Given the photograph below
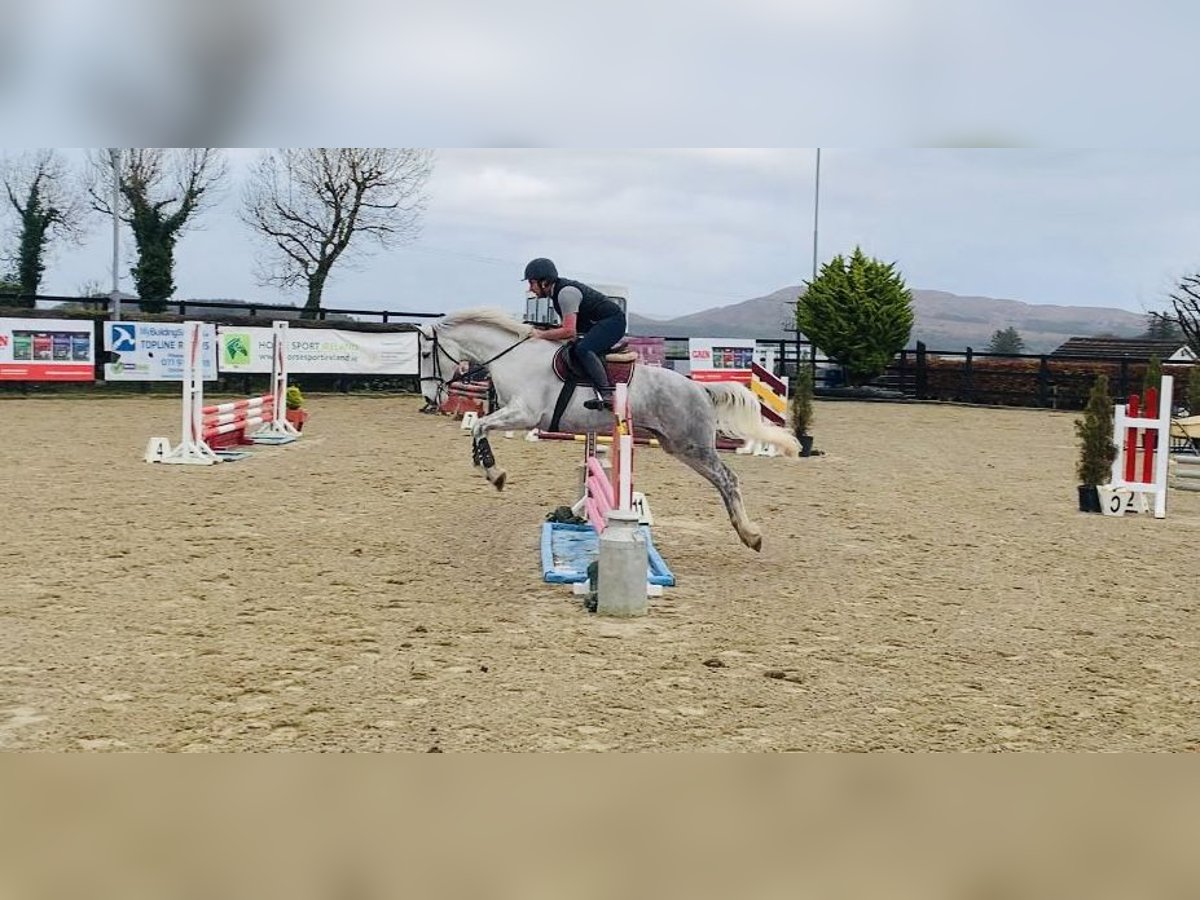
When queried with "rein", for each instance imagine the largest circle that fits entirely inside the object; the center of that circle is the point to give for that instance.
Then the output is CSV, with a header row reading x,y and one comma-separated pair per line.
x,y
438,350
482,367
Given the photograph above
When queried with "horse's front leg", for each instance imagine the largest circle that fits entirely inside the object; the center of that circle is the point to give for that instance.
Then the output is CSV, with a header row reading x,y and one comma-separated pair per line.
x,y
507,418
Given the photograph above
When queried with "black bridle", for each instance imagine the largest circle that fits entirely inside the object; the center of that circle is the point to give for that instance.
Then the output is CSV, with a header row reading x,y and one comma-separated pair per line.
x,y
459,373
437,351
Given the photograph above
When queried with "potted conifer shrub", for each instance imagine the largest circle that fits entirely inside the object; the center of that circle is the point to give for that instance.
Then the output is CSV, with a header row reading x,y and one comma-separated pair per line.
x,y
802,409
1154,373
1096,449
293,401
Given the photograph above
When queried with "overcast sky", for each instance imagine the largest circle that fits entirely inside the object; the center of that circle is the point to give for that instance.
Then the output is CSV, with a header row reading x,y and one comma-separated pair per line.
x,y
684,230
687,230
1092,73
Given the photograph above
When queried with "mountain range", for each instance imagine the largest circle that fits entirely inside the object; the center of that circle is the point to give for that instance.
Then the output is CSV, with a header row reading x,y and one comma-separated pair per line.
x,y
944,321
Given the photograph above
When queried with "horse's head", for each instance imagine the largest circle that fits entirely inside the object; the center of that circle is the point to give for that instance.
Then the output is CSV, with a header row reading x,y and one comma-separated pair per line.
x,y
470,338
439,359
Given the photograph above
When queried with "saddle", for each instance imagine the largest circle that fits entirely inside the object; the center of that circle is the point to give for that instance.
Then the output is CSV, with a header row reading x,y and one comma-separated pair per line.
x,y
618,363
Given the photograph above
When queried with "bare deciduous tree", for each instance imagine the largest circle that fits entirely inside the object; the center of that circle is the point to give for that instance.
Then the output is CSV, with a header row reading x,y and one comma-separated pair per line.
x,y
48,205
87,291
163,190
1185,310
312,206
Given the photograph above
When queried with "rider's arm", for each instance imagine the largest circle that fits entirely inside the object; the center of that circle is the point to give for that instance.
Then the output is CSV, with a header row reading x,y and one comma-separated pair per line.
x,y
569,299
564,332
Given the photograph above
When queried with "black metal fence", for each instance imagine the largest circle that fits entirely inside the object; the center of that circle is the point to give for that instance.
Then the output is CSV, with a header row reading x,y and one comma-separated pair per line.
x,y
964,376
20,304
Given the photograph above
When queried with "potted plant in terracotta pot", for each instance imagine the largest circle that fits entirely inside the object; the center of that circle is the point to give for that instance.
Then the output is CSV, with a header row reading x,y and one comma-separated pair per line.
x,y
293,402
1096,449
802,409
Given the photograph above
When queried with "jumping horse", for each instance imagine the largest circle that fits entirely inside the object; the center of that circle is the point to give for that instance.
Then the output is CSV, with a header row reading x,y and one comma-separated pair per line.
x,y
683,414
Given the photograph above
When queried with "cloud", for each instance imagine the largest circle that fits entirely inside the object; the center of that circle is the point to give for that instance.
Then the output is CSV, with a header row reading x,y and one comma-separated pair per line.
x,y
534,72
691,229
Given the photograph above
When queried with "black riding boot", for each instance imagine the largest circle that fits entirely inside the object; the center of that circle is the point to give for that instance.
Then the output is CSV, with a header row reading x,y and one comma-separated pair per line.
x,y
594,366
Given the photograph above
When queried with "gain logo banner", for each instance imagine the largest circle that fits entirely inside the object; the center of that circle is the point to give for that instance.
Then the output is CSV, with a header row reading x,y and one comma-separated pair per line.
x,y
46,350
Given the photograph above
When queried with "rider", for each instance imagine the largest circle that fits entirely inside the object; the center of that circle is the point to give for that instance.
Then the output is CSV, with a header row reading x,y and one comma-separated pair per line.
x,y
586,314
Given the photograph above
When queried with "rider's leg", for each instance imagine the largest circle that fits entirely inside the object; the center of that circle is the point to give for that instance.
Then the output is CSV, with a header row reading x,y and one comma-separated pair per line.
x,y
594,366
590,351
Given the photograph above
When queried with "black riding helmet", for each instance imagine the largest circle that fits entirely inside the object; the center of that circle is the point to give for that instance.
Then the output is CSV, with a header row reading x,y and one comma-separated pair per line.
x,y
541,269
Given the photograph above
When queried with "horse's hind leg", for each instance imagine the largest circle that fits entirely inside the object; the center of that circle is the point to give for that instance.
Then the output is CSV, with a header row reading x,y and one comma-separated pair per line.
x,y
708,463
507,418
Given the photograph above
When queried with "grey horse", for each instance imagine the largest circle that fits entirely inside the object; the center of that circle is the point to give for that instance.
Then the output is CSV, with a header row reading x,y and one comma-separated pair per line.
x,y
683,414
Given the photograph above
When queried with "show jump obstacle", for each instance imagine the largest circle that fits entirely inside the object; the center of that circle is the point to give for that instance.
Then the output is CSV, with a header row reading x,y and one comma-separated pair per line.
x,y
209,433
772,394
1141,429
630,568
467,397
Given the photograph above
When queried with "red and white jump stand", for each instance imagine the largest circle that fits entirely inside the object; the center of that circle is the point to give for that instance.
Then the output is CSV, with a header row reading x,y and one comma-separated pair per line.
x,y
603,490
1141,424
205,429
608,504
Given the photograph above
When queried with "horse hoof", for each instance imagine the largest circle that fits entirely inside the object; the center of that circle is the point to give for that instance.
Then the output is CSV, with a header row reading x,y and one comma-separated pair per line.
x,y
498,481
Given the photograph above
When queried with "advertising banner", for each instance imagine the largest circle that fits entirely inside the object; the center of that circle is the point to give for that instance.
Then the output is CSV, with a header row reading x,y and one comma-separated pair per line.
x,y
721,359
652,351
321,350
153,351
46,350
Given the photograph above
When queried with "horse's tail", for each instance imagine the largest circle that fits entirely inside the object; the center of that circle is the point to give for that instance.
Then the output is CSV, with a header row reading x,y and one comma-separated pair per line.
x,y
738,416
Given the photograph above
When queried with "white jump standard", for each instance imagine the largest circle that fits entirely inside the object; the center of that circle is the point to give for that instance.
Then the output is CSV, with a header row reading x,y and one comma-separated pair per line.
x,y
1149,420
261,420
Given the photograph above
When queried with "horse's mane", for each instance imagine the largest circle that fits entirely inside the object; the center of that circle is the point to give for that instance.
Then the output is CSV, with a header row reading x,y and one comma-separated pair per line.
x,y
486,315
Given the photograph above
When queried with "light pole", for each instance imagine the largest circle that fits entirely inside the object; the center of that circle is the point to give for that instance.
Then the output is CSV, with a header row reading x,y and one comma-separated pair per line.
x,y
114,154
812,356
816,211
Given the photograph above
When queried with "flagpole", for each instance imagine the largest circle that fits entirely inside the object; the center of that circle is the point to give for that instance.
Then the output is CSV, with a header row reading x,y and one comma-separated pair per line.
x,y
816,211
114,154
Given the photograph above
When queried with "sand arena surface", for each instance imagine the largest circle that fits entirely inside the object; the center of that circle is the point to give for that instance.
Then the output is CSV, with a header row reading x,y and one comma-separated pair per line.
x,y
925,585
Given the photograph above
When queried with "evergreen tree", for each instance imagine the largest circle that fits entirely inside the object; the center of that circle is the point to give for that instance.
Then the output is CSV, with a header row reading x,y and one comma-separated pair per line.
x,y
9,285
1095,433
1153,376
1007,340
1193,390
1162,328
37,187
162,192
859,312
801,400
